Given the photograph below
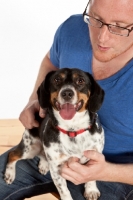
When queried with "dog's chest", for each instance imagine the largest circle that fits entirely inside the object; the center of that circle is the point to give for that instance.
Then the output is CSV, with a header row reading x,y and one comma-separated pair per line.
x,y
68,146
74,146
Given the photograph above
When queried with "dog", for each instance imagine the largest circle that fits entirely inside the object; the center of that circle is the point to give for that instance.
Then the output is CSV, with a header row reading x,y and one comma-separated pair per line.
x,y
72,98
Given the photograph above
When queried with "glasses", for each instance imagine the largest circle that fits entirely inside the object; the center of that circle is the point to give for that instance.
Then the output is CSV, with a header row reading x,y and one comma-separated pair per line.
x,y
122,31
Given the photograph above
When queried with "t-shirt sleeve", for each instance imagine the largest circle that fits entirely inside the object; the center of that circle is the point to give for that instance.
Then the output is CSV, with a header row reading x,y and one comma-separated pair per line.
x,y
55,48
68,47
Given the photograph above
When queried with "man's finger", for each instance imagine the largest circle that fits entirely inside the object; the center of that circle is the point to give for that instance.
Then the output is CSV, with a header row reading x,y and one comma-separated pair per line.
x,y
72,160
69,174
42,112
35,123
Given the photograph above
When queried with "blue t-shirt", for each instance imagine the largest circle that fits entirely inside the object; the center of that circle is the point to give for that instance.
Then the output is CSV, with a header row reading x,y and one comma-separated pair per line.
x,y
72,48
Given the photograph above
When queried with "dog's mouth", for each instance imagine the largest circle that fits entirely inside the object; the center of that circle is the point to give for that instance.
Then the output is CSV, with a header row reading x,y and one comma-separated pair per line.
x,y
68,110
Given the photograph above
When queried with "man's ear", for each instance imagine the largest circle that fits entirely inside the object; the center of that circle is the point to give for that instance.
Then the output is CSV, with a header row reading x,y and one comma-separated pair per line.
x,y
96,96
43,91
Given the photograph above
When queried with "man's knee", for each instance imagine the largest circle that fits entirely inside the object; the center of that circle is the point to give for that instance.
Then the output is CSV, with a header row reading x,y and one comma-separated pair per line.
x,y
115,191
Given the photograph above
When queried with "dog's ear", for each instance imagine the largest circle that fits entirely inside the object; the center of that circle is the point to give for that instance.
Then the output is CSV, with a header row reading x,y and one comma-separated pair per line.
x,y
43,91
96,96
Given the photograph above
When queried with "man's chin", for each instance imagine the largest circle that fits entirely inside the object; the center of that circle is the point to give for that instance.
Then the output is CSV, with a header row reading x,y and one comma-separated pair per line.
x,y
103,57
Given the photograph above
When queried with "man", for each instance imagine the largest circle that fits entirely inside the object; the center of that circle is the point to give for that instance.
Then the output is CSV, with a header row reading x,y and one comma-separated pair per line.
x,y
105,49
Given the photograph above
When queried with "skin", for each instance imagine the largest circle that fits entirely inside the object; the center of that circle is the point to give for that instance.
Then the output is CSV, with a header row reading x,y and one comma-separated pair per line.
x,y
118,52
107,11
111,53
108,48
27,117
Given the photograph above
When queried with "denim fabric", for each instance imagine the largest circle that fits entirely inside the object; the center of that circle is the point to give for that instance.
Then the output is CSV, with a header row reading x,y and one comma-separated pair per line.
x,y
29,182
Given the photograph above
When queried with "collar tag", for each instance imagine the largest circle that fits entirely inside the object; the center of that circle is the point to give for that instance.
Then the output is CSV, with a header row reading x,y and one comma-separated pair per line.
x,y
72,134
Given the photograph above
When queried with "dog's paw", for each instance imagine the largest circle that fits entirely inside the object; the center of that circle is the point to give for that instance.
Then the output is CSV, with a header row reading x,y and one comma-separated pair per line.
x,y
92,195
66,197
43,166
9,175
91,191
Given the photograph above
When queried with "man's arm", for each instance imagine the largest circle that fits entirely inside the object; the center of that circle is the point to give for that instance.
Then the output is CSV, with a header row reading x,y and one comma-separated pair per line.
x,y
27,116
46,66
96,169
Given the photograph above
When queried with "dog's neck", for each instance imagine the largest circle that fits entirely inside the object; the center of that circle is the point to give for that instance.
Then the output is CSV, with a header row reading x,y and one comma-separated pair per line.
x,y
81,120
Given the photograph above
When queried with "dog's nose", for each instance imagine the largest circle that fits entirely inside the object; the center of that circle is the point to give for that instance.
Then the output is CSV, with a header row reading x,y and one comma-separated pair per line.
x,y
67,94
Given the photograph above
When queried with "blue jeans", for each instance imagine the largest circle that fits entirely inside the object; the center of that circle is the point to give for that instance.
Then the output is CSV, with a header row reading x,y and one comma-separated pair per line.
x,y
29,182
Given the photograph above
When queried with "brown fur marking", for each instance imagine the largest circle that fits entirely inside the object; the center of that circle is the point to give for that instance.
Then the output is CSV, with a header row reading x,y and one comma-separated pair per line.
x,y
84,97
13,156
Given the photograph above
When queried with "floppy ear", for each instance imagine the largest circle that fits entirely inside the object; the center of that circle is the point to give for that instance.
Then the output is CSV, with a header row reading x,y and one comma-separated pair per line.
x,y
96,96
43,91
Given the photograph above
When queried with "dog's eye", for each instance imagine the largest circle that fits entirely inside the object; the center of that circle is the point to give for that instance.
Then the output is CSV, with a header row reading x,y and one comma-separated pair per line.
x,y
57,80
80,81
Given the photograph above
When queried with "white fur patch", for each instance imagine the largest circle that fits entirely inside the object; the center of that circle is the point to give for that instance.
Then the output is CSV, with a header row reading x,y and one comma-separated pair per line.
x,y
10,173
68,147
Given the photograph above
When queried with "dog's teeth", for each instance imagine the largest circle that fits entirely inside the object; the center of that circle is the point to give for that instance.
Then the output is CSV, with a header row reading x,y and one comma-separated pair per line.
x,y
58,106
79,104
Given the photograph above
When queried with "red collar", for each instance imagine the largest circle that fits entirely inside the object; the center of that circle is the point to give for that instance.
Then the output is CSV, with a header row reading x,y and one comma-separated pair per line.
x,y
73,134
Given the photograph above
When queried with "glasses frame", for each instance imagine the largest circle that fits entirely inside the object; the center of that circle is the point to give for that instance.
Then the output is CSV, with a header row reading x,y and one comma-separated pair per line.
x,y
108,25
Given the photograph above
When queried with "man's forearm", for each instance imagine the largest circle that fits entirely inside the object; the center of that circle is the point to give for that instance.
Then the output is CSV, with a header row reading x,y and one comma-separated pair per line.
x,y
119,173
97,168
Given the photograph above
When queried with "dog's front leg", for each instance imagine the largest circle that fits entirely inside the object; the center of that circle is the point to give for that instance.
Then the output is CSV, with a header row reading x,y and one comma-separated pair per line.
x,y
60,182
91,191
43,163
28,148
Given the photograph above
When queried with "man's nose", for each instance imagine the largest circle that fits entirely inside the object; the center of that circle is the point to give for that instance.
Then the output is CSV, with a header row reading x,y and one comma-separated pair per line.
x,y
103,34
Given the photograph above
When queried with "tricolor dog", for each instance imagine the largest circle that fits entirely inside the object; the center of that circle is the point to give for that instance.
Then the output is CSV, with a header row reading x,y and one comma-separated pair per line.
x,y
72,98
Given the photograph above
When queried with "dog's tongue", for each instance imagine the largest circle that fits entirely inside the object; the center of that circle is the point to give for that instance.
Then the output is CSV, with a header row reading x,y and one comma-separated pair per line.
x,y
67,111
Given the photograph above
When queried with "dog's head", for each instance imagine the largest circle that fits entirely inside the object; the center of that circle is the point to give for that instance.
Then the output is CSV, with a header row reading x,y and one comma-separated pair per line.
x,y
69,91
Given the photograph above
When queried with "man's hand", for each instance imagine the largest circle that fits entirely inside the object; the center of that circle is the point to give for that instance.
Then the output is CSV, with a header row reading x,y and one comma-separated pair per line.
x,y
27,116
95,169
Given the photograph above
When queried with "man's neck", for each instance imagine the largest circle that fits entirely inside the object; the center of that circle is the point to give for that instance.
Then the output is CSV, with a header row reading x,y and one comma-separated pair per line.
x,y
102,70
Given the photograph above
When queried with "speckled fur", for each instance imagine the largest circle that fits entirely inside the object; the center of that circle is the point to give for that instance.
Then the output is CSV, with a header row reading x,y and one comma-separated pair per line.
x,y
54,147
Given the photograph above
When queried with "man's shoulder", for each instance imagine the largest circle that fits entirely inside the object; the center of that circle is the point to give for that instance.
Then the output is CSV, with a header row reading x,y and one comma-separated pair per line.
x,y
75,18
74,21
74,25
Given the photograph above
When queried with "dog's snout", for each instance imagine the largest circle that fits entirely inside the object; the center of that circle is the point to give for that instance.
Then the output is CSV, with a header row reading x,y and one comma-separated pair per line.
x,y
67,94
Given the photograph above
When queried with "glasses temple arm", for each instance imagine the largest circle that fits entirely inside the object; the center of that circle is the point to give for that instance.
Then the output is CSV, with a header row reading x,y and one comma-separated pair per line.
x,y
86,8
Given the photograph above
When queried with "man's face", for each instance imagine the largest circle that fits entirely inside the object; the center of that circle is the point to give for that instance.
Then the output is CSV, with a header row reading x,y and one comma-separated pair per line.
x,y
106,45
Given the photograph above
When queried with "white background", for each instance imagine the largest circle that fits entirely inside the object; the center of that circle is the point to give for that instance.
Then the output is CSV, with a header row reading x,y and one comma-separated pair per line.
x,y
27,29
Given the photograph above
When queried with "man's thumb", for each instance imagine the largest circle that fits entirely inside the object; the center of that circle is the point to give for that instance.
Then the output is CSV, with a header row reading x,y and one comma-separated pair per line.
x,y
92,154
